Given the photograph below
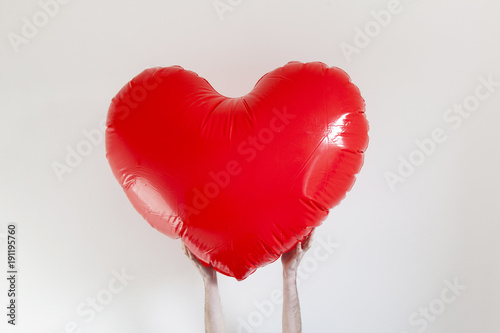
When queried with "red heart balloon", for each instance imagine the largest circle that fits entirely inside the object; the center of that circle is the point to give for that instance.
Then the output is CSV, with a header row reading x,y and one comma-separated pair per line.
x,y
240,180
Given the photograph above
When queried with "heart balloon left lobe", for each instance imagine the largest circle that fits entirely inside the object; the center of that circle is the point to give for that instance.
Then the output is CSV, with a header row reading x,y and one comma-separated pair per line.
x,y
240,180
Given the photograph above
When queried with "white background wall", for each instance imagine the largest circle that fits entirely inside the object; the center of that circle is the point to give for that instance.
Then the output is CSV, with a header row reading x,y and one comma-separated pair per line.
x,y
396,249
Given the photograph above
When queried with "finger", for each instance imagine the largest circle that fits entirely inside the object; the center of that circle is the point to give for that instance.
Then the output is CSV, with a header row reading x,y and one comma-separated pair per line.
x,y
306,244
294,249
292,253
188,253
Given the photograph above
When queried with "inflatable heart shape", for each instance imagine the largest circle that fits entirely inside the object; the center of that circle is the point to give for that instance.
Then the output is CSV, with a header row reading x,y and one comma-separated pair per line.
x,y
240,180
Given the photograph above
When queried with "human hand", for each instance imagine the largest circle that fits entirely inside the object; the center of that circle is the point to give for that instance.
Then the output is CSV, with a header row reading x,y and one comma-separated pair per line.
x,y
208,273
292,258
214,319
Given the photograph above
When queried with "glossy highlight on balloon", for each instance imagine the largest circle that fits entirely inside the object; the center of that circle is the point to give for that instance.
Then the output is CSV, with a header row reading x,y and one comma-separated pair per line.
x,y
239,180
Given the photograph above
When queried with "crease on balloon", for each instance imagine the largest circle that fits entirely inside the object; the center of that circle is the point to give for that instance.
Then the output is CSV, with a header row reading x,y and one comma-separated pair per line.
x,y
171,219
231,124
352,151
248,260
247,108
129,179
336,131
308,159
230,244
268,251
282,236
280,77
178,225
324,69
209,114
157,69
314,204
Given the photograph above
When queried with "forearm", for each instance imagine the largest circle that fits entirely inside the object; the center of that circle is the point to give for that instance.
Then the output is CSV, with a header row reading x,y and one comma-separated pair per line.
x,y
291,308
214,320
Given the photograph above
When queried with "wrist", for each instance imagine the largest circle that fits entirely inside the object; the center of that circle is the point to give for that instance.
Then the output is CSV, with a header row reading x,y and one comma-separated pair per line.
x,y
210,278
290,274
